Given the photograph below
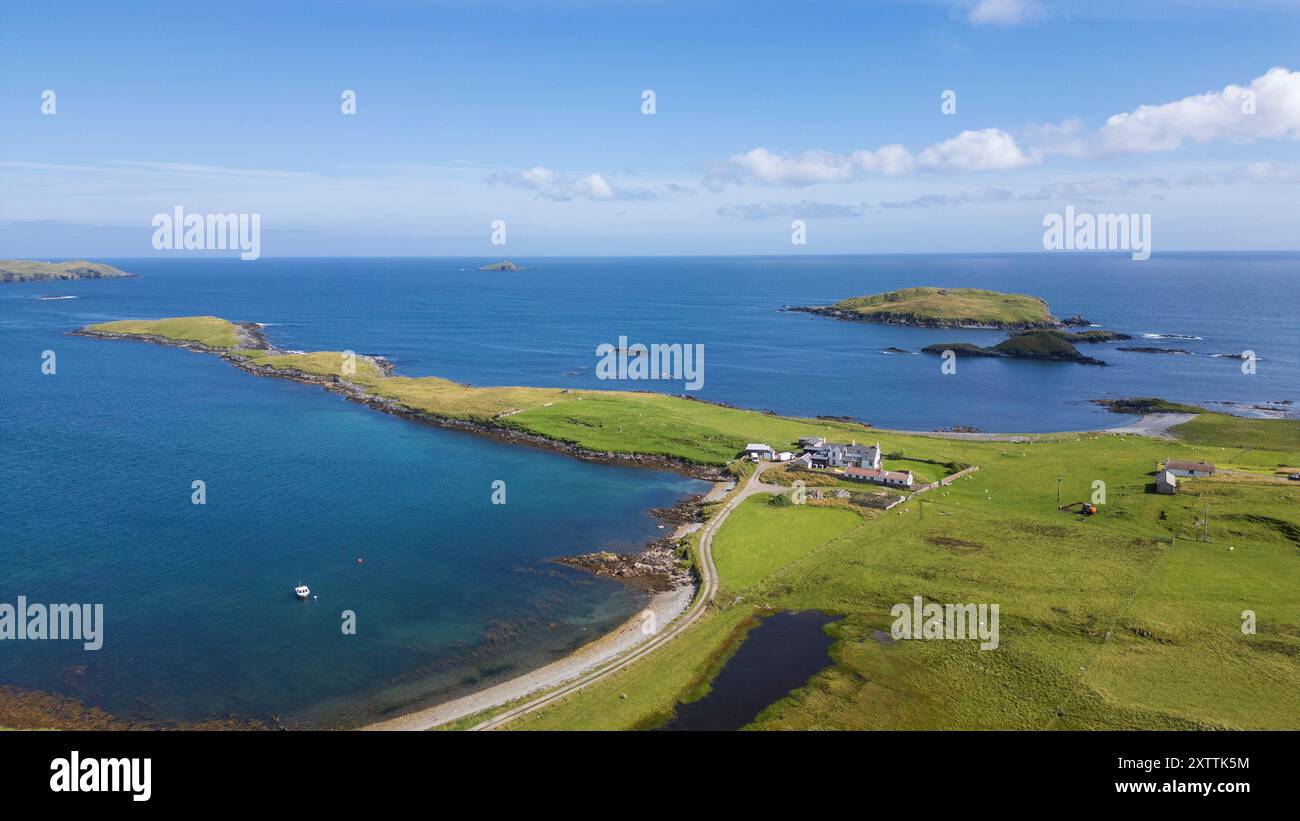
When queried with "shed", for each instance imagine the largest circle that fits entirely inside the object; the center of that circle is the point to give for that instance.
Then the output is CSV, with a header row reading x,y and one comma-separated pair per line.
x,y
1166,483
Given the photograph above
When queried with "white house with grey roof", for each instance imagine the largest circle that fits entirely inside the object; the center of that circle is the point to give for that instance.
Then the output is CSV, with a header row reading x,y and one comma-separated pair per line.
x,y
838,455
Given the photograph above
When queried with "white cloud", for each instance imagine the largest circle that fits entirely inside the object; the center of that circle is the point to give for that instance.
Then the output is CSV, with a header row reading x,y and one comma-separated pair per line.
x,y
808,168
1002,12
552,185
989,150
1267,109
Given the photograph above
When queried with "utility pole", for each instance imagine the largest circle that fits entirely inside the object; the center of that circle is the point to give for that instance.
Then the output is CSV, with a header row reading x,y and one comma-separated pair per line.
x,y
1058,488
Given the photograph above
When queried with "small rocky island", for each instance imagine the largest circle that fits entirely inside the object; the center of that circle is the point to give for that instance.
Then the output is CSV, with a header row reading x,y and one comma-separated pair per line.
x,y
23,270
1038,334
503,265
929,307
1143,405
1045,345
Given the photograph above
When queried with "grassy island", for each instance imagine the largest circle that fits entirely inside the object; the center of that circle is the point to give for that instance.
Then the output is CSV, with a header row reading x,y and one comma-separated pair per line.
x,y
22,270
944,308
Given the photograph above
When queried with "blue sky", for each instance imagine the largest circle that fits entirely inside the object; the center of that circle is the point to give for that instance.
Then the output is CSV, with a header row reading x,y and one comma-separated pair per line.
x,y
530,112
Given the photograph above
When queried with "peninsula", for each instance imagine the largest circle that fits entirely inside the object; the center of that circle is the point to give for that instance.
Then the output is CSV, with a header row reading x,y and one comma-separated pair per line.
x,y
929,307
22,270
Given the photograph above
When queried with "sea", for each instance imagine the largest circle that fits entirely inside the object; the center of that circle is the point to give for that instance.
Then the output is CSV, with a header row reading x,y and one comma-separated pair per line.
x,y
392,523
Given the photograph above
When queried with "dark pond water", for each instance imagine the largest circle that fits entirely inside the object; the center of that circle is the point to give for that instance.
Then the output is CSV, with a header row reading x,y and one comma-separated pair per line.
x,y
778,656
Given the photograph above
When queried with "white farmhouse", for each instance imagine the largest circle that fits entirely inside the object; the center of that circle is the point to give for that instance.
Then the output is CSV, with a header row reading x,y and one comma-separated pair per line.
x,y
1179,467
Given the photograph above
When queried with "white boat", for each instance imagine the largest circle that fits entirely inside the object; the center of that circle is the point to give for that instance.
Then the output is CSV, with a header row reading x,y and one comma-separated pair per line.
x,y
302,591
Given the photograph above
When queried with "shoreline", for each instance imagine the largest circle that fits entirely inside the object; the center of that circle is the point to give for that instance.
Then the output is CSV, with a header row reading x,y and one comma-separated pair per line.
x,y
666,606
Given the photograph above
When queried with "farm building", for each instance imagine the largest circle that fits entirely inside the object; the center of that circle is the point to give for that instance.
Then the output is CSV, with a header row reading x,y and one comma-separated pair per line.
x,y
812,442
1179,467
759,451
1166,483
892,478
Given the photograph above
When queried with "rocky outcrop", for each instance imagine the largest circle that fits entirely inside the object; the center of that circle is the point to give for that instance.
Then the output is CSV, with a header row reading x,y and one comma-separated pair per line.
x,y
503,265
1017,348
656,569
1151,349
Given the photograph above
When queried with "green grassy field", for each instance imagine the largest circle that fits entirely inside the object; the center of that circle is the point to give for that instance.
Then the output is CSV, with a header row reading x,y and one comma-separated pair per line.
x,y
760,539
320,363
1237,432
951,306
1121,620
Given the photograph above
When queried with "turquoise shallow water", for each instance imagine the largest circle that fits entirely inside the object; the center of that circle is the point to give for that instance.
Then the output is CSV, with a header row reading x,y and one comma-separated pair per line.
x,y
97,461
200,619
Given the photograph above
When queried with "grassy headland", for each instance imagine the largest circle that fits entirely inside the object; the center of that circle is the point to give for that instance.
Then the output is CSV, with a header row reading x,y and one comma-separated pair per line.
x,y
23,270
207,331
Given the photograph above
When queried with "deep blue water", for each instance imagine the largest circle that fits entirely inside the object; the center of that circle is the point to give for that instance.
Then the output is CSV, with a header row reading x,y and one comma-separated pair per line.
x,y
97,460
